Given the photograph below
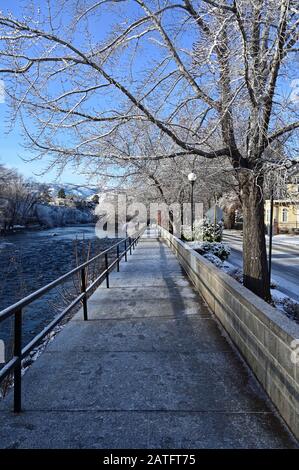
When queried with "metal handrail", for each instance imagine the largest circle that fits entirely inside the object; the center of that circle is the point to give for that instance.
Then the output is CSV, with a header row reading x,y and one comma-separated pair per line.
x,y
43,290
16,310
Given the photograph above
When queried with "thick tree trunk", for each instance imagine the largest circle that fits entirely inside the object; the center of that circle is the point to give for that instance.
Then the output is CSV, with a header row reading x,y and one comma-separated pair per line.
x,y
229,218
255,266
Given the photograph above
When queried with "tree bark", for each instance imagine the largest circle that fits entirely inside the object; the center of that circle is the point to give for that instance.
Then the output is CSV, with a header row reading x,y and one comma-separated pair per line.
x,y
229,218
255,266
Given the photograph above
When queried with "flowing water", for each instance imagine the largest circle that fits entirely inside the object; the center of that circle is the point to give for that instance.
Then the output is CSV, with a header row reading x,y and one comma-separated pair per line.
x,y
31,259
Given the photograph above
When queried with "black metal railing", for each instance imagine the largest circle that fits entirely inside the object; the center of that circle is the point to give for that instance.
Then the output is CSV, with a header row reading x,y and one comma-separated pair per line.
x,y
15,363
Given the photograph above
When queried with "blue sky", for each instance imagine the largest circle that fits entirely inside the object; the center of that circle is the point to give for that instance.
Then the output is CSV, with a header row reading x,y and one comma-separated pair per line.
x,y
11,149
12,154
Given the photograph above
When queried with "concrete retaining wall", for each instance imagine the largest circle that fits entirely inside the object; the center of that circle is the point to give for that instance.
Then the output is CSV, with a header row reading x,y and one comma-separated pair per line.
x,y
262,334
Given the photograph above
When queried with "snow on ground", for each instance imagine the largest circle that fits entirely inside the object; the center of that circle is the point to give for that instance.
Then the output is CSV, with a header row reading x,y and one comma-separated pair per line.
x,y
278,296
282,302
285,239
285,261
286,285
236,271
219,249
285,304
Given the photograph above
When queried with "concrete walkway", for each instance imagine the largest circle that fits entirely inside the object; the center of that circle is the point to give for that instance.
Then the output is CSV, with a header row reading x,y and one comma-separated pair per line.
x,y
151,369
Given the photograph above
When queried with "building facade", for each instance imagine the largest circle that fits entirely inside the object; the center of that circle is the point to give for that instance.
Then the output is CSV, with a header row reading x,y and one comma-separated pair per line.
x,y
285,211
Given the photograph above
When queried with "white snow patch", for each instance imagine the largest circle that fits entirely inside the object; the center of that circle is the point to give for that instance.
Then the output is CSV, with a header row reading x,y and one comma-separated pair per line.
x,y
285,239
282,302
214,259
182,282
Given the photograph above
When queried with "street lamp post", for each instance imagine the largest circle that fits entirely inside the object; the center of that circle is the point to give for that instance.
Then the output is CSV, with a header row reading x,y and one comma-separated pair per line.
x,y
192,178
271,233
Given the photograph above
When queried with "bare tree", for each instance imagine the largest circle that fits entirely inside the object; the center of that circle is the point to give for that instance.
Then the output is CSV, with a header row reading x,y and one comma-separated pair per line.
x,y
222,61
18,197
167,180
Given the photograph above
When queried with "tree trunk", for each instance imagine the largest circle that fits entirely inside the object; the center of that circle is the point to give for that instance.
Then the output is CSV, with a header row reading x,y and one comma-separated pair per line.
x,y
255,266
229,218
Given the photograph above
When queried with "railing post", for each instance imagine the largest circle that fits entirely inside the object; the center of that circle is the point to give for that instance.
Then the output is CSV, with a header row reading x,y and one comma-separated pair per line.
x,y
18,367
107,272
126,257
130,244
83,290
117,265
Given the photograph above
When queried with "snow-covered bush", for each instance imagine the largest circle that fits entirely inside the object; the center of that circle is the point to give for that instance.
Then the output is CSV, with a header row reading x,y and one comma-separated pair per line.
x,y
203,230
220,250
213,259
212,232
291,307
233,271
201,247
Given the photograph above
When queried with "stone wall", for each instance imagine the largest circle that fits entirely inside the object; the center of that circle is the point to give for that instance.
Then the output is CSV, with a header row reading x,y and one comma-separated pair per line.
x,y
262,333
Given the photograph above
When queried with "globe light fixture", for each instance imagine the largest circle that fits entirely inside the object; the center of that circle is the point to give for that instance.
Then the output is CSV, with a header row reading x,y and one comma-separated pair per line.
x,y
192,177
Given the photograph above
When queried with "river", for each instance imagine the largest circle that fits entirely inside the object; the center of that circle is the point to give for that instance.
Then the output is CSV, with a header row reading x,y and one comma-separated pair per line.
x,y
31,259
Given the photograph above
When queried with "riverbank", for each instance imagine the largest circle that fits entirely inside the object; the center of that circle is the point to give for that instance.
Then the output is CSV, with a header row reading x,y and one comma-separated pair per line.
x,y
38,228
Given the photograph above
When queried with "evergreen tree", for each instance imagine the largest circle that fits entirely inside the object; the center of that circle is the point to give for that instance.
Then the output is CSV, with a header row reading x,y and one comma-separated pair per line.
x,y
61,193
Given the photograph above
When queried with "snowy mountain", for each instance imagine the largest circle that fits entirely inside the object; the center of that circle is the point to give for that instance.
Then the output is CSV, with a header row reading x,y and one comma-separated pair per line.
x,y
83,192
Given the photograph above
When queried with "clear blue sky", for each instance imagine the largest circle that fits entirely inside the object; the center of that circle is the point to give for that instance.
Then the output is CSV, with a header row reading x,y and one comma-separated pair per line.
x,y
12,152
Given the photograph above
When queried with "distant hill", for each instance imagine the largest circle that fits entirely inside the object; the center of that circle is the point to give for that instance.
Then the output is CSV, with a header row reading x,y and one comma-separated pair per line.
x,y
73,190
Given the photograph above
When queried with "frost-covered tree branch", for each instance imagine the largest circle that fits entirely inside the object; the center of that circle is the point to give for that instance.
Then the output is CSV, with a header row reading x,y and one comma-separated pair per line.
x,y
208,79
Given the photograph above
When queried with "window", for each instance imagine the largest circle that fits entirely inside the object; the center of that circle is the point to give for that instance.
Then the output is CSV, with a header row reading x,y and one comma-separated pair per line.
x,y
268,215
284,217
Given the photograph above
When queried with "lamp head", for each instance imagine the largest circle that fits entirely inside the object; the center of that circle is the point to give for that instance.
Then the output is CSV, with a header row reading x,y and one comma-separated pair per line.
x,y
192,177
